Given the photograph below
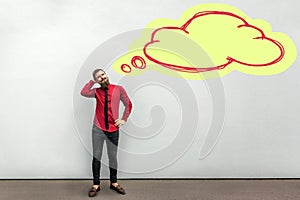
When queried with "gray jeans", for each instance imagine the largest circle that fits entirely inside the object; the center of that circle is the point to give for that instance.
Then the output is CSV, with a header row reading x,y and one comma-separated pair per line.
x,y
112,140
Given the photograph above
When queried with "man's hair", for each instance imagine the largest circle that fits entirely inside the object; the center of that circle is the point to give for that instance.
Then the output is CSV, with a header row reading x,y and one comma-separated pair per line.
x,y
95,71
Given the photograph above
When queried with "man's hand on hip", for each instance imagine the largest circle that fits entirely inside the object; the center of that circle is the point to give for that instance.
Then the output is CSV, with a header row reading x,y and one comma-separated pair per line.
x,y
119,122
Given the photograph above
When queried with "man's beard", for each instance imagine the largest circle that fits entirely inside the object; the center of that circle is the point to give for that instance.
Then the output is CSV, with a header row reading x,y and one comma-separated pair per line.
x,y
105,83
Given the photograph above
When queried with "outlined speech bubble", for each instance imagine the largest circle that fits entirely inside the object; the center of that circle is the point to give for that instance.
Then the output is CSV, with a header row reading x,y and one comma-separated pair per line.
x,y
233,40
206,43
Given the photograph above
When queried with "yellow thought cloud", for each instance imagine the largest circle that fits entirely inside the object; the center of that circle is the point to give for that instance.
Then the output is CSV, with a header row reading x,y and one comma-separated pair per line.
x,y
209,40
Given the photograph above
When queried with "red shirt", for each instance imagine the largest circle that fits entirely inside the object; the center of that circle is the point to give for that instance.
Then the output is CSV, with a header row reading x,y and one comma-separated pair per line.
x,y
116,94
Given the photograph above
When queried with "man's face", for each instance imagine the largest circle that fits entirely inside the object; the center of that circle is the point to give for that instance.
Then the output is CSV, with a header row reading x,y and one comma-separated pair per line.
x,y
101,78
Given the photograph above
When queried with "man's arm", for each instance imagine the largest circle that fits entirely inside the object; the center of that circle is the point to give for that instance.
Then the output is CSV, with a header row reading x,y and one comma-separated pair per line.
x,y
87,91
128,107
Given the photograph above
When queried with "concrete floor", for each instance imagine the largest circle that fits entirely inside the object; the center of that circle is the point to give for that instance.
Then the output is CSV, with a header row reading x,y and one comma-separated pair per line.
x,y
153,189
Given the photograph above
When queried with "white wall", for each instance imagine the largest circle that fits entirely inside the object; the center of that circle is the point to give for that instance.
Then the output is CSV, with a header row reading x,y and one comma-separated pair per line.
x,y
47,52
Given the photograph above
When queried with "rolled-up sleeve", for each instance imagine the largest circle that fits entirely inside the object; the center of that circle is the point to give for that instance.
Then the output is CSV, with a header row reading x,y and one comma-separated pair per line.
x,y
87,91
126,102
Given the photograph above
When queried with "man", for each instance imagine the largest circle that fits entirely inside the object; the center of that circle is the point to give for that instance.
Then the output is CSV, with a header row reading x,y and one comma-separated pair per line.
x,y
106,126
